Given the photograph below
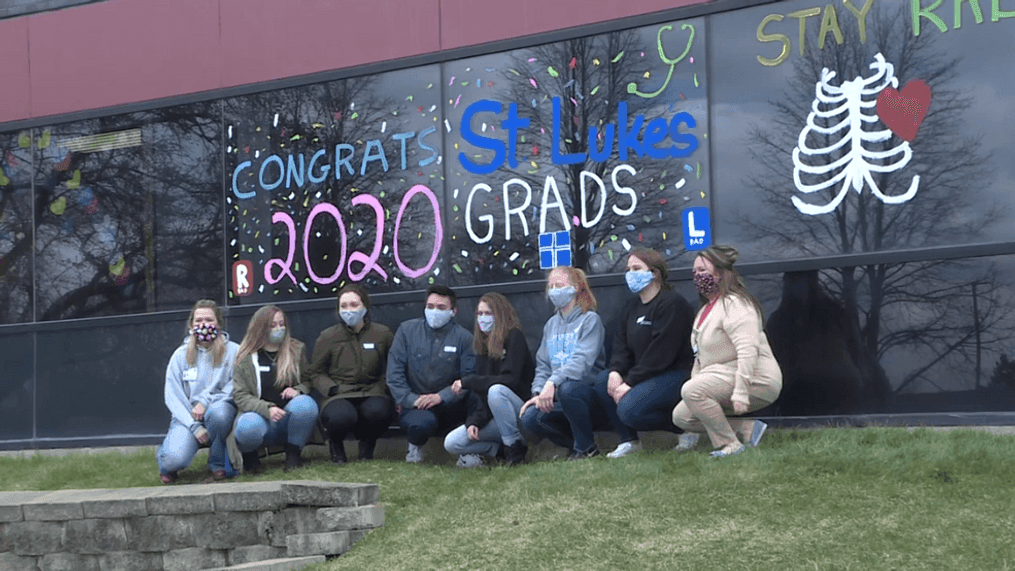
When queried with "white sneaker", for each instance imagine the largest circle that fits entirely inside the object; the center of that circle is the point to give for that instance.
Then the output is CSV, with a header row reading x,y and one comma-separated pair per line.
x,y
625,448
688,441
415,455
757,431
469,461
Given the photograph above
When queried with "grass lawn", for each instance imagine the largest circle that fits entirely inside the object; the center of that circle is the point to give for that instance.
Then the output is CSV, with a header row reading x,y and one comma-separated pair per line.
x,y
872,498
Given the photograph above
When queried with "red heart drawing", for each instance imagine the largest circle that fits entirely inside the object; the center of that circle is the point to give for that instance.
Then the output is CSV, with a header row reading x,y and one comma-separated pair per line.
x,y
903,111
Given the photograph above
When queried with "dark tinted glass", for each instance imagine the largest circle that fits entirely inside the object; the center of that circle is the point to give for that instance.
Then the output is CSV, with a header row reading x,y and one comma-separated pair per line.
x,y
598,138
128,213
944,170
105,380
915,337
356,159
16,227
17,385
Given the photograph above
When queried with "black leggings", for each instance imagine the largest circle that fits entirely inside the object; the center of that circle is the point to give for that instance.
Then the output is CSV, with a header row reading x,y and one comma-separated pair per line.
x,y
366,417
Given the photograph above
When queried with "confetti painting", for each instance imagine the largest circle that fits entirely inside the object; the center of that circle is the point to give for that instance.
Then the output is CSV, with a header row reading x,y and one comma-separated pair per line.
x,y
400,180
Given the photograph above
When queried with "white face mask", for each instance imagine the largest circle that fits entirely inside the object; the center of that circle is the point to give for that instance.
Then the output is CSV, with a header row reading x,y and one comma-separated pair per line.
x,y
485,323
561,296
353,318
437,318
638,280
276,336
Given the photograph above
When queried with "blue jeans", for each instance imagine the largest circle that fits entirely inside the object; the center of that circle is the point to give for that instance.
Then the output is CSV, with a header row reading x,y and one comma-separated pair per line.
x,y
180,445
254,431
503,429
457,441
505,405
421,425
570,424
647,406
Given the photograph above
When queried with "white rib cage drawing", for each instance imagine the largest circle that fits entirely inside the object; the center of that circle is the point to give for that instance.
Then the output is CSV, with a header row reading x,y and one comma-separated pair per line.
x,y
856,103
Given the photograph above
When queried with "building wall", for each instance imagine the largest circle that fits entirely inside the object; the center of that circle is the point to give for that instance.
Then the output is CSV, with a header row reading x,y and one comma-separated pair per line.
x,y
878,299
125,51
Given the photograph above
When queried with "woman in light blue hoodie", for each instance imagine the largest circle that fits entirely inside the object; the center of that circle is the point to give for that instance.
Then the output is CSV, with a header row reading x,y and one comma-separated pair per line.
x,y
199,389
563,406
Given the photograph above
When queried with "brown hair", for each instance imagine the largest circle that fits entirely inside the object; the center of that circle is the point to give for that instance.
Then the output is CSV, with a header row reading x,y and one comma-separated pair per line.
x,y
356,289
504,320
218,346
655,262
583,294
287,372
730,281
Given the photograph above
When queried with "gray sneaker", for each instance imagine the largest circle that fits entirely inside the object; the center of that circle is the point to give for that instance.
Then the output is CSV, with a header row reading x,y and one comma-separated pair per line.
x,y
415,455
469,461
688,441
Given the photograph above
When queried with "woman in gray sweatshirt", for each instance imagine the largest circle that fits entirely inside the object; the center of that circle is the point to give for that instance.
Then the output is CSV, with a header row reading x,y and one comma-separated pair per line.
x,y
570,357
199,394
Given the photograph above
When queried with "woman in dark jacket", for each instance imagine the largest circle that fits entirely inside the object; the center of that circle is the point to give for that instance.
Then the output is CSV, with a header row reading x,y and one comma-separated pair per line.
x,y
504,371
274,406
347,373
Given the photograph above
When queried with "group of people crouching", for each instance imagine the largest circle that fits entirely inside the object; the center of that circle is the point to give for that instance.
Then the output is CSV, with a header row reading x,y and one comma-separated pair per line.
x,y
669,370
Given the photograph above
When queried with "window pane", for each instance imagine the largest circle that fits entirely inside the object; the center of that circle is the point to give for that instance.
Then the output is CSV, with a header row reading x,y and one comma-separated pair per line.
x,y
931,336
350,157
609,145
15,227
949,183
17,386
129,213
106,380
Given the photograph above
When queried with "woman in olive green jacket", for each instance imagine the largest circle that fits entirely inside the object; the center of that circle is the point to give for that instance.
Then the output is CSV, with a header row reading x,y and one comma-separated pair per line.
x,y
274,406
348,376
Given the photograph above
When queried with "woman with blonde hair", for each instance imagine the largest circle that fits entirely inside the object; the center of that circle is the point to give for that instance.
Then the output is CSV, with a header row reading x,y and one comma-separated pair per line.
x,y
497,389
198,394
734,371
275,407
564,406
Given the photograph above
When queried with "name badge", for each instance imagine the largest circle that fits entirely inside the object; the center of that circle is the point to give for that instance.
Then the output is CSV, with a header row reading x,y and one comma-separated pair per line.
x,y
450,349
190,375
368,345
264,369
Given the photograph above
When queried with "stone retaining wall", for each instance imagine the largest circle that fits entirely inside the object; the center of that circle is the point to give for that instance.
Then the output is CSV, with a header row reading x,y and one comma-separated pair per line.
x,y
182,527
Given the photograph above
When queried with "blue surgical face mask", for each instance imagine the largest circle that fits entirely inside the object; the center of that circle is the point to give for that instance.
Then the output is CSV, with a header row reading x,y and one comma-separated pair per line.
x,y
276,336
638,280
352,318
437,318
485,323
561,296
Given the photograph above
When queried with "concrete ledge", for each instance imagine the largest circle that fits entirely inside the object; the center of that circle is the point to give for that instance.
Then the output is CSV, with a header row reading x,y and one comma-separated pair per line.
x,y
287,564
185,527
328,543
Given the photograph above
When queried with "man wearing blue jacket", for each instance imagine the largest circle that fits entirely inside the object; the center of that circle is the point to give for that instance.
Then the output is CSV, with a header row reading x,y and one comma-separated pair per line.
x,y
429,354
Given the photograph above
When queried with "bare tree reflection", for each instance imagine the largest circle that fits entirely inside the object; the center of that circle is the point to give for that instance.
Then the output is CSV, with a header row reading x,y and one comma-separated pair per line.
x,y
131,229
304,120
946,312
590,77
